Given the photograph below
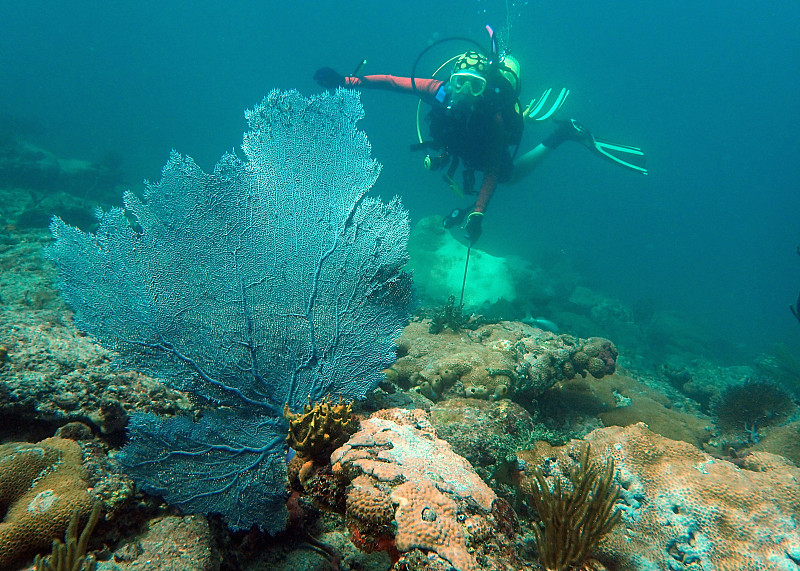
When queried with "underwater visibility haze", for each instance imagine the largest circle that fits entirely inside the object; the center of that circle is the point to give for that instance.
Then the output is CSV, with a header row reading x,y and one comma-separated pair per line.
x,y
706,90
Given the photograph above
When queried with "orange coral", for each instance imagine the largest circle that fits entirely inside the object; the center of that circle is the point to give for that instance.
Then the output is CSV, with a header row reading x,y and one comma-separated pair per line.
x,y
401,473
426,519
40,487
367,503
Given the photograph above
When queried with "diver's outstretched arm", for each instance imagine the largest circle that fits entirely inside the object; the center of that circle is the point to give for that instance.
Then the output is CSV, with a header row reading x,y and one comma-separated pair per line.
x,y
425,88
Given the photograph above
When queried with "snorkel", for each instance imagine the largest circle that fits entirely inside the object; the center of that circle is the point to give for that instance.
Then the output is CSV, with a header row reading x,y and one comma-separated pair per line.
x,y
497,61
493,42
360,64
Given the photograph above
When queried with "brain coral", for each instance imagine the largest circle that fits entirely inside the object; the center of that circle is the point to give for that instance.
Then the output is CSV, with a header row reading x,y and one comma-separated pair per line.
x,y
684,510
401,473
40,486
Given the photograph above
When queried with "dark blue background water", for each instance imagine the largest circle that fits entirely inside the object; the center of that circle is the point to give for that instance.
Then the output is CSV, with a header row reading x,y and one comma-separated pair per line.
x,y
708,89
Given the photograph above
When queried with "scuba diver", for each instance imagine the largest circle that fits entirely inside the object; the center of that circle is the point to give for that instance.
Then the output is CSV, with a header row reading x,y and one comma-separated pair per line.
x,y
476,121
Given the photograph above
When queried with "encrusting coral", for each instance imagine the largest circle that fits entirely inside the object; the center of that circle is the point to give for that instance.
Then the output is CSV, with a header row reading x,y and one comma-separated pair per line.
x,y
575,515
320,429
683,509
41,486
408,491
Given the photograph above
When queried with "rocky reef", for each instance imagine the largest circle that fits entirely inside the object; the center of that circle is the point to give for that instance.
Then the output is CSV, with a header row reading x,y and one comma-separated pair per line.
x,y
435,470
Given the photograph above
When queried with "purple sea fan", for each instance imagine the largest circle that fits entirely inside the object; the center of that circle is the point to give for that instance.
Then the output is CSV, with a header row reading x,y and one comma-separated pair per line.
x,y
266,283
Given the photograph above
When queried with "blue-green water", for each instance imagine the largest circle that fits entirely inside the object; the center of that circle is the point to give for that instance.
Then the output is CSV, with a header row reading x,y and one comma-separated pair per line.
x,y
708,90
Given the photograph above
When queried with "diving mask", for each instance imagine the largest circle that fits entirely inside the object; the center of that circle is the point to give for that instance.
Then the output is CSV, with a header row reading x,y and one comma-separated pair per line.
x,y
467,83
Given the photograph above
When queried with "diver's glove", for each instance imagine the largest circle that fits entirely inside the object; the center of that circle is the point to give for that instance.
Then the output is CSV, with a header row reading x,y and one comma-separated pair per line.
x,y
456,217
472,229
329,78
569,130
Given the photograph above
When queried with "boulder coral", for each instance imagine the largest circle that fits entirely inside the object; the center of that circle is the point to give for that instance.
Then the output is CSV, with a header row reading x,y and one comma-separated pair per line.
x,y
476,364
683,509
621,400
486,433
549,358
403,480
783,440
495,361
41,485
